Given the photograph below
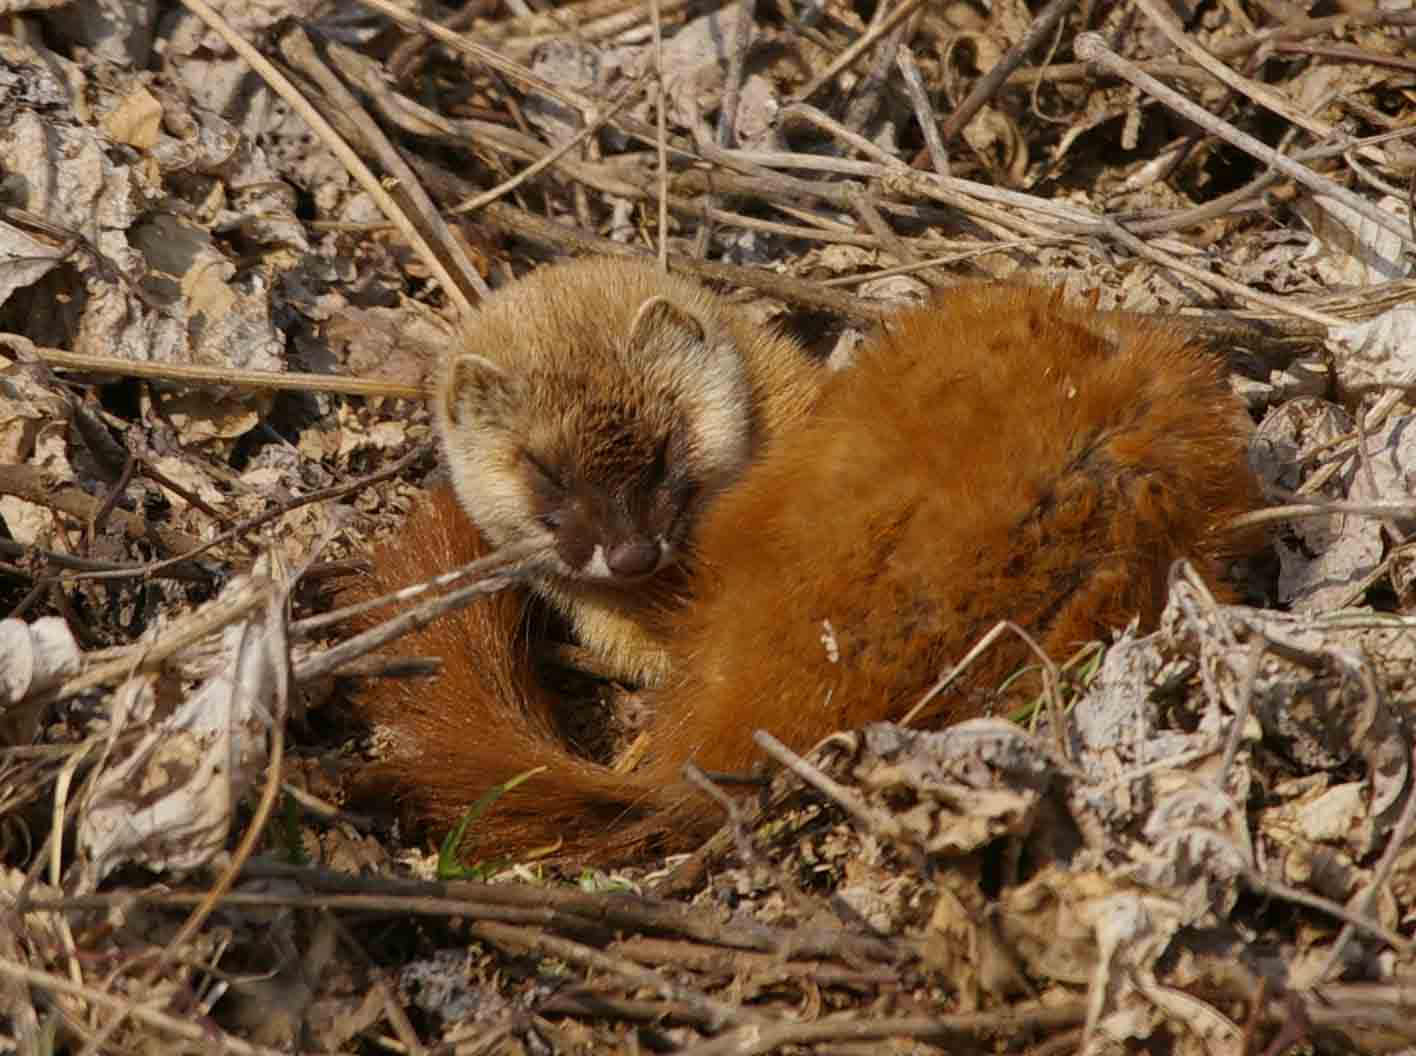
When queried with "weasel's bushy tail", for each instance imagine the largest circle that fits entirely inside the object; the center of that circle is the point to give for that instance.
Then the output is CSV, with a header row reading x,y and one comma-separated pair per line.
x,y
485,719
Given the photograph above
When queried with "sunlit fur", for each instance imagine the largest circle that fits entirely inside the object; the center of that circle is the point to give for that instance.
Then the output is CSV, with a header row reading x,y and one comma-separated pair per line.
x,y
994,455
487,702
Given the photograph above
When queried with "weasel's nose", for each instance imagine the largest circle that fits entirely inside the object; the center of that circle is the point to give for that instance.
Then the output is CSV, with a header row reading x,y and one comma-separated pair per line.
x,y
632,559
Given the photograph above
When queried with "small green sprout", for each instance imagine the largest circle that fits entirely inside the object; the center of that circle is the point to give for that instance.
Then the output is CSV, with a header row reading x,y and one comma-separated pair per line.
x,y
450,865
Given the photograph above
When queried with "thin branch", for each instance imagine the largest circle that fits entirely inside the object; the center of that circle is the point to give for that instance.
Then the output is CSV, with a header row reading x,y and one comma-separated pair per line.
x,y
1092,47
351,161
984,89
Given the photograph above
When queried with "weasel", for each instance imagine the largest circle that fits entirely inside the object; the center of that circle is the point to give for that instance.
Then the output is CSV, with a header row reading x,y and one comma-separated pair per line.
x,y
993,455
599,407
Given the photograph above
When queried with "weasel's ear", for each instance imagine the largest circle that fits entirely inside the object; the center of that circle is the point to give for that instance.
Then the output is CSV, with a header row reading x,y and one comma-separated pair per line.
x,y
475,386
661,321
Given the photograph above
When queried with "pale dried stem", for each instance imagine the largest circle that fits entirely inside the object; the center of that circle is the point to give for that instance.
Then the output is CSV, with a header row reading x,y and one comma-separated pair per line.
x,y
1092,48
987,86
506,567
924,110
236,377
280,84
848,58
555,155
1260,93
412,200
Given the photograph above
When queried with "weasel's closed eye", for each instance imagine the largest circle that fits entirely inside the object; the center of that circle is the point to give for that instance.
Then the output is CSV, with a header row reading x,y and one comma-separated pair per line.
x,y
682,491
548,477
550,492
659,468
677,496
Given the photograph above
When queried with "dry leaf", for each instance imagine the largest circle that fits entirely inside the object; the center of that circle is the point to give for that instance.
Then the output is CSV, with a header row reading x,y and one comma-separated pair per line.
x,y
1376,353
168,803
136,120
34,657
969,784
1351,250
31,413
1323,559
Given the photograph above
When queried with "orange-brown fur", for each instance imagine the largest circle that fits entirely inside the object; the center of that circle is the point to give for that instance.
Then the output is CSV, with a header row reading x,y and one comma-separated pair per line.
x,y
994,455
486,711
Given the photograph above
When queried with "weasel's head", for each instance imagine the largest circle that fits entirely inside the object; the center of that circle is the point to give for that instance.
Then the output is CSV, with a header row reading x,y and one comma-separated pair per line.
x,y
606,449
